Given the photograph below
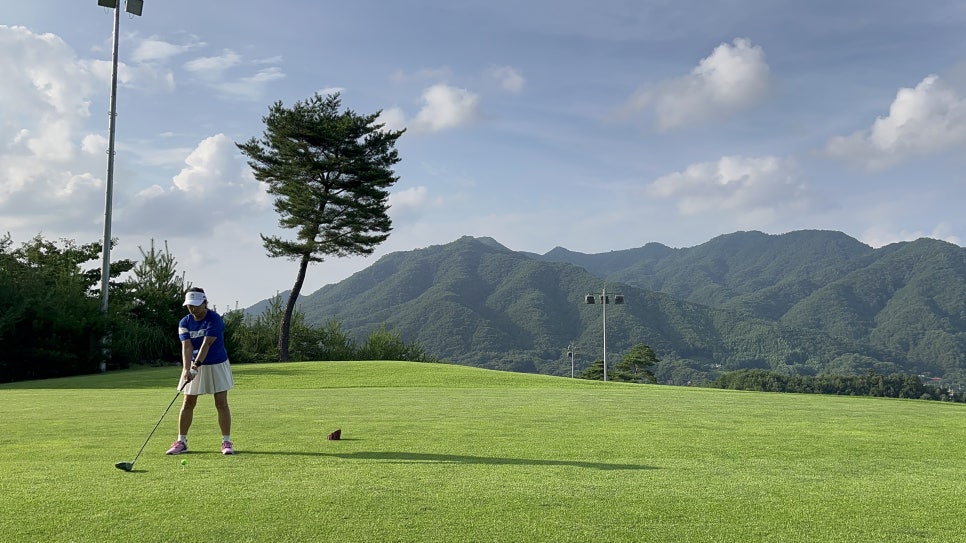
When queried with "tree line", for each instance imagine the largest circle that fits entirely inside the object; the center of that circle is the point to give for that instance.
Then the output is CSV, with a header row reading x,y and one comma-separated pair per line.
x,y
636,365
254,338
52,324
896,385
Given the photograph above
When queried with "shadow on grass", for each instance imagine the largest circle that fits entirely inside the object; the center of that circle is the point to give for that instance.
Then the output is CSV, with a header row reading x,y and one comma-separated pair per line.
x,y
397,457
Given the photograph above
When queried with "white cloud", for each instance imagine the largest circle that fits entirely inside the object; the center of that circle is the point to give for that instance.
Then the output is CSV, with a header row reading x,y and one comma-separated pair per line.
x,y
753,190
153,49
253,86
40,72
213,67
325,91
394,118
446,107
409,204
927,119
215,186
209,166
147,76
46,94
94,144
508,78
212,72
734,77
53,141
879,236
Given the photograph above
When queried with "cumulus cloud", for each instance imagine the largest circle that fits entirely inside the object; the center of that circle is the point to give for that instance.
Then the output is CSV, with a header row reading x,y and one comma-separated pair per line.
x,y
927,119
754,190
508,78
46,94
393,118
93,144
208,166
734,77
41,74
446,107
52,166
214,186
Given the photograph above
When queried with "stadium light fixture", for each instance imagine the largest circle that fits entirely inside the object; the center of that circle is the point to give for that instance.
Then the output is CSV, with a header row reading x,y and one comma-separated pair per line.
x,y
134,7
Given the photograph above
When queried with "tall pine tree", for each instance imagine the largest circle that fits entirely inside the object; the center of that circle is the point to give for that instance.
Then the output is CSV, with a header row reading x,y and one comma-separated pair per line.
x,y
330,172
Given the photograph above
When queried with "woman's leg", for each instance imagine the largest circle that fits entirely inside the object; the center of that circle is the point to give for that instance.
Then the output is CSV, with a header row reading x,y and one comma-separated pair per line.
x,y
187,413
224,413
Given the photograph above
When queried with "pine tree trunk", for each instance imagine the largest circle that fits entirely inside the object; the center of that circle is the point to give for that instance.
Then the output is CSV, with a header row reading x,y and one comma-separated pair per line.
x,y
286,325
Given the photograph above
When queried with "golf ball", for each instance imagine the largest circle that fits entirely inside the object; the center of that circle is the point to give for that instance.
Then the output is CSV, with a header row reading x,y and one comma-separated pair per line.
x,y
184,462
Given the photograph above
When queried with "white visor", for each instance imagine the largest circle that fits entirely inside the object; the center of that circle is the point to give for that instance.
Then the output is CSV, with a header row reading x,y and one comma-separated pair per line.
x,y
194,298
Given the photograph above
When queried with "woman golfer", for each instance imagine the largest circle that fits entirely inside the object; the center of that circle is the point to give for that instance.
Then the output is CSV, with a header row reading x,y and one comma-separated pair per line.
x,y
202,334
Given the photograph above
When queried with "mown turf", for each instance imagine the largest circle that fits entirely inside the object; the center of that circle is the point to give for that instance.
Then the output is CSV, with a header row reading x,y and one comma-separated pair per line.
x,y
448,453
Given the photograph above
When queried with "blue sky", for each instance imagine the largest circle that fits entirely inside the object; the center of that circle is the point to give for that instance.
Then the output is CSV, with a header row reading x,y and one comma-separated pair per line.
x,y
594,126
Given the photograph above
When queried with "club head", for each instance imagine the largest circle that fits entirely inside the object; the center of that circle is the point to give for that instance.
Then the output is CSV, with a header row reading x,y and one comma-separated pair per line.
x,y
126,466
335,435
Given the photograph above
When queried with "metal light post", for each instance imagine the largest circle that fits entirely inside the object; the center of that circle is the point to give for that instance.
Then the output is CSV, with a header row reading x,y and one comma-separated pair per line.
x,y
133,7
572,353
604,300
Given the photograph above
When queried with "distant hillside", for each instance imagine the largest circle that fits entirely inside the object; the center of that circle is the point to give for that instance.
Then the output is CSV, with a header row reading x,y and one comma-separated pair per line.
x,y
907,299
805,302
760,274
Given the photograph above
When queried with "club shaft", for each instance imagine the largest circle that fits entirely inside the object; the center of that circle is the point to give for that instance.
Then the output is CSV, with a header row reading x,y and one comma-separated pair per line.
x,y
159,423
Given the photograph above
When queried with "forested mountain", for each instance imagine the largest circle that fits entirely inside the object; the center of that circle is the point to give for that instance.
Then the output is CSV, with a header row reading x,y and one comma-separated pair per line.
x,y
800,303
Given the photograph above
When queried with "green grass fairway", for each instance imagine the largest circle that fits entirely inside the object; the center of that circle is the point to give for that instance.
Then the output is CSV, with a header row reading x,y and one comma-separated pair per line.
x,y
446,453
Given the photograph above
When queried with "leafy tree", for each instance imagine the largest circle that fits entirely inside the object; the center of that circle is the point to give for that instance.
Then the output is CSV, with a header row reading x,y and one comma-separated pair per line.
x,y
154,306
330,172
10,292
636,366
51,324
255,339
594,372
334,343
381,344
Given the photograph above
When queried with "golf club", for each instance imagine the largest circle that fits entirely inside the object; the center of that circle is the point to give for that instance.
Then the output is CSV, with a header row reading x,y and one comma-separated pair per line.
x,y
128,466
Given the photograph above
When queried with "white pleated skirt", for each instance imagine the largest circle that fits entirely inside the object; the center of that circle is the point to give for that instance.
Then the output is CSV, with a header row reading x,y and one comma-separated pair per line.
x,y
210,379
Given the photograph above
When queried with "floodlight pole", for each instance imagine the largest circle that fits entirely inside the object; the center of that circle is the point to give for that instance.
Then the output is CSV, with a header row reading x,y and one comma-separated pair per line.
x,y
134,9
604,300
603,303
109,190
572,353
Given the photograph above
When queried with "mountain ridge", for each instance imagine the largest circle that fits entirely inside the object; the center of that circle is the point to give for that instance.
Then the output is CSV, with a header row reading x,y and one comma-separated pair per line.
x,y
805,302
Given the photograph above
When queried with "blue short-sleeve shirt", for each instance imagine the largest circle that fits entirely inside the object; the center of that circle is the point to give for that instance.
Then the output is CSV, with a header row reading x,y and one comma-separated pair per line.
x,y
210,326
